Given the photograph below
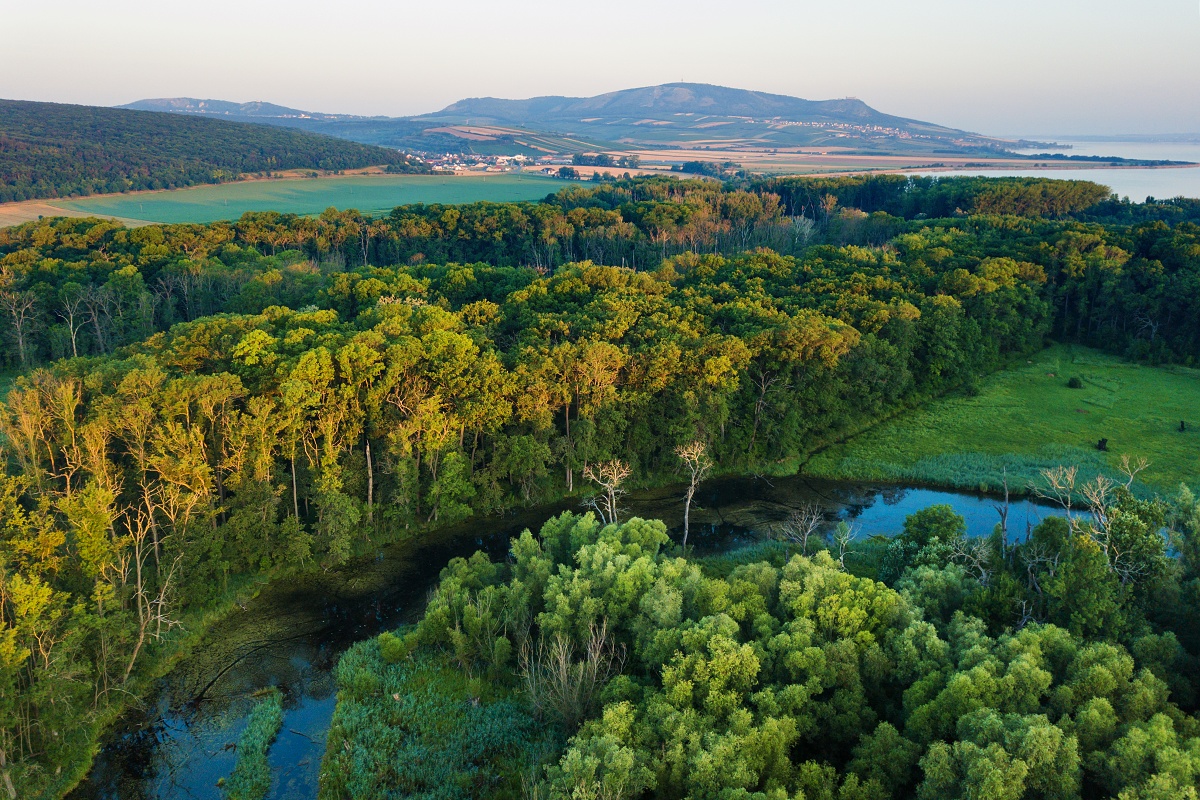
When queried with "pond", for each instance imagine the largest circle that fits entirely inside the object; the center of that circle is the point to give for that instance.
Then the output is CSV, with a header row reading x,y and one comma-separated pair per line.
x,y
291,634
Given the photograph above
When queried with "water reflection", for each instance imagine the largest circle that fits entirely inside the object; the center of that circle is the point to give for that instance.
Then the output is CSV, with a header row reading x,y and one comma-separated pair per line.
x,y
291,634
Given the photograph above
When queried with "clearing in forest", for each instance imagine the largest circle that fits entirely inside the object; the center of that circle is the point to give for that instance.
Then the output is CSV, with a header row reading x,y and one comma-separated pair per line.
x,y
1027,417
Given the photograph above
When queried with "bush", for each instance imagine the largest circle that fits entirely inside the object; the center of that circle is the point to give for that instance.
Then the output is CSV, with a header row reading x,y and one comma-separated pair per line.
x,y
1075,383
395,649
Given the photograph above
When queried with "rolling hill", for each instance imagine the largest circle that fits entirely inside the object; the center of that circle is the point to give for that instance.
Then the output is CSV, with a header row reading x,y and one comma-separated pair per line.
x,y
52,150
257,110
673,99
670,116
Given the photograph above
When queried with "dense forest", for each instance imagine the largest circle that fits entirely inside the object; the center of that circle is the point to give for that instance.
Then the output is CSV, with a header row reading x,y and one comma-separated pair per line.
x,y
199,405
54,150
1119,276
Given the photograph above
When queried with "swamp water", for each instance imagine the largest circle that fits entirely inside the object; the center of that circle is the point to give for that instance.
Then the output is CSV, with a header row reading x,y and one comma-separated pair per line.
x,y
291,634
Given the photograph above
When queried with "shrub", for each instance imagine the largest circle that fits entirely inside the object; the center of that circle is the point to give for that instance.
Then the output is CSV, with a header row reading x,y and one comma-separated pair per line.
x,y
1076,382
395,649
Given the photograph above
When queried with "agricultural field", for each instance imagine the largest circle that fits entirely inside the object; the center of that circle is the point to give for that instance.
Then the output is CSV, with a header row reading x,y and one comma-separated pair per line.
x,y
1028,418
369,194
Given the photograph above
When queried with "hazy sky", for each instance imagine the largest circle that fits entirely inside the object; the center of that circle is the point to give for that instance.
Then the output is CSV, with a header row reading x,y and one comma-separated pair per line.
x,y
1022,66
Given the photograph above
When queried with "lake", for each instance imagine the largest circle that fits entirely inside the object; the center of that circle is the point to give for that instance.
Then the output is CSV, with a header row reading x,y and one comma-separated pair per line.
x,y
1135,183
291,634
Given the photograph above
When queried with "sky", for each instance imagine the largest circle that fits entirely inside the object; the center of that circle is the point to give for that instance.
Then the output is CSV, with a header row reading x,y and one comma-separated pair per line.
x,y
1002,68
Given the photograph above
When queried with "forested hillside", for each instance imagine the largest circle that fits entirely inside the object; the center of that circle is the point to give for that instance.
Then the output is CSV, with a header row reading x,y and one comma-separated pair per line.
x,y
54,150
234,400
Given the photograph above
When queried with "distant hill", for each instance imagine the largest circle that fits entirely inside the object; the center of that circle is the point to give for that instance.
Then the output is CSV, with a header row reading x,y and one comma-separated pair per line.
x,y
669,100
686,115
670,116
53,150
257,110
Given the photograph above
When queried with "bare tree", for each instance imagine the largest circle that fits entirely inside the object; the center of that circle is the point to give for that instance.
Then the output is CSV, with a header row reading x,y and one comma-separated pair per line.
x,y
1149,326
975,556
21,308
608,475
1026,615
1003,510
844,536
1131,467
566,687
151,602
801,525
801,230
71,297
1099,496
764,382
1059,487
1039,560
169,284
100,304
8,784
695,458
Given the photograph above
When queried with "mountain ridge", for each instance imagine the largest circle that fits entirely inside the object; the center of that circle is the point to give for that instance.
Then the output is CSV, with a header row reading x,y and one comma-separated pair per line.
x,y
669,98
683,98
253,109
669,116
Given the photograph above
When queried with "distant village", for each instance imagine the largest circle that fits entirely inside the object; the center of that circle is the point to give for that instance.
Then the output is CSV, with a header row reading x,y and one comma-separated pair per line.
x,y
561,165
468,162
471,163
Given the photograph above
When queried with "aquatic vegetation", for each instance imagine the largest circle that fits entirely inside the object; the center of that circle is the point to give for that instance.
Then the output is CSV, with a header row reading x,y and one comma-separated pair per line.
x,y
418,727
251,776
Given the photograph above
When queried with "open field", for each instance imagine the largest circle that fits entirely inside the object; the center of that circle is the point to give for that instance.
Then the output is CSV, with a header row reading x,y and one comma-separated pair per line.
x,y
371,194
29,210
1026,418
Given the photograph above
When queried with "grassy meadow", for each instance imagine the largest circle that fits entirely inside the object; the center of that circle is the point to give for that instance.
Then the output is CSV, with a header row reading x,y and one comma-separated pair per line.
x,y
1027,418
369,194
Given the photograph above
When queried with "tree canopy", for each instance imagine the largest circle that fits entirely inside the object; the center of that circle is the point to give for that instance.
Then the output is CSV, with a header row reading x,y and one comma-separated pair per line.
x,y
655,675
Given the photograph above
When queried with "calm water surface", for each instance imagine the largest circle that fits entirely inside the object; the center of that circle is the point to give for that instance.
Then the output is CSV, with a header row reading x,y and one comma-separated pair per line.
x,y
291,634
1136,184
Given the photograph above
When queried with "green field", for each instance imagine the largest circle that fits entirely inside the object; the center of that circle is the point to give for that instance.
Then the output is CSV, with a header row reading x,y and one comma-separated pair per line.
x,y
1026,418
369,194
